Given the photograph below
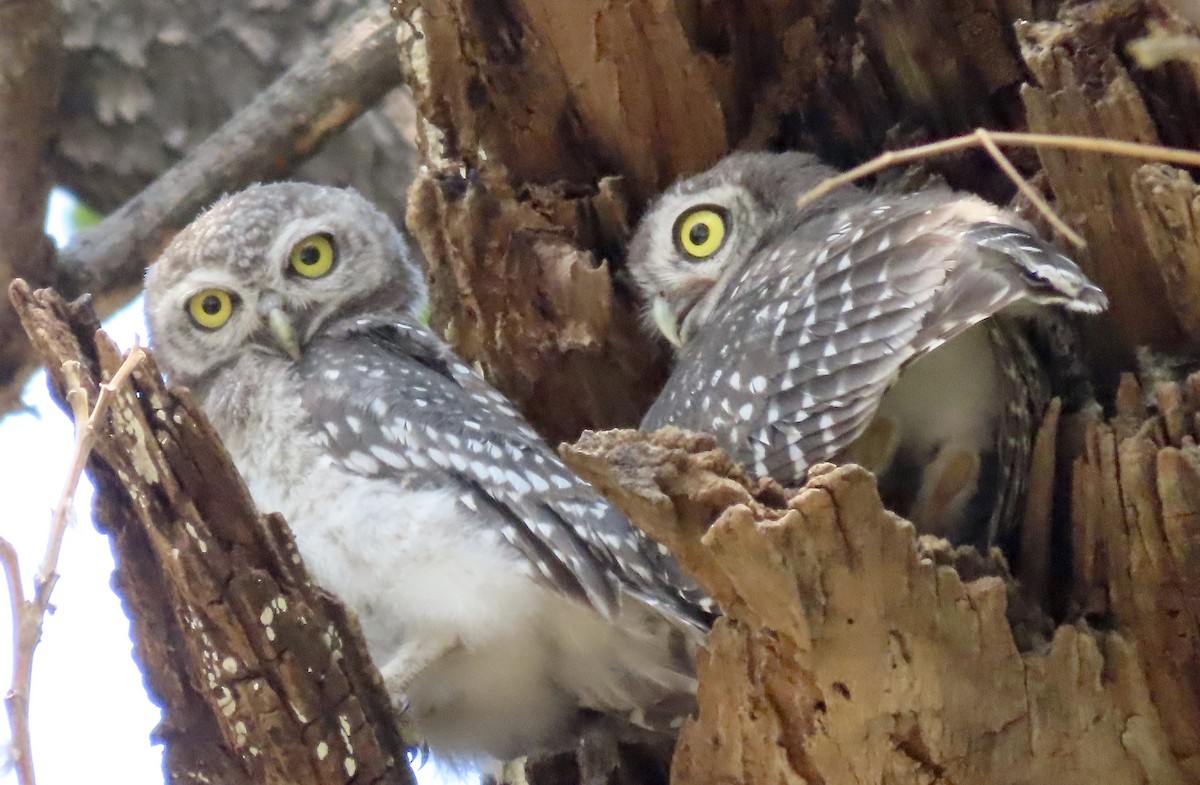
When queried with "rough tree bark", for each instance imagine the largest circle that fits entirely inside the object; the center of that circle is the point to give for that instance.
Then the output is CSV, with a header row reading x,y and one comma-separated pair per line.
x,y
850,652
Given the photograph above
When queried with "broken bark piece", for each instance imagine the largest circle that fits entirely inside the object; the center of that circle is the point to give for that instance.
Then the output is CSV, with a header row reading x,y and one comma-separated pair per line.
x,y
850,654
650,480
1037,526
262,676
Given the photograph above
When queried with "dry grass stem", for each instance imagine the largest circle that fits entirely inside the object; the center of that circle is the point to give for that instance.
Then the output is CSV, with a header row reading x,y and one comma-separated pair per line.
x,y
992,141
1031,193
27,615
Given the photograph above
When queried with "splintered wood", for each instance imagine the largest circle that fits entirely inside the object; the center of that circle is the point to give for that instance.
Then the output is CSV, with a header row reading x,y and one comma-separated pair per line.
x,y
262,677
851,653
525,108
1136,507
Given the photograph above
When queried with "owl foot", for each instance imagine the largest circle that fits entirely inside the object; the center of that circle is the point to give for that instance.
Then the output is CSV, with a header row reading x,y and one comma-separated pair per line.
x,y
947,485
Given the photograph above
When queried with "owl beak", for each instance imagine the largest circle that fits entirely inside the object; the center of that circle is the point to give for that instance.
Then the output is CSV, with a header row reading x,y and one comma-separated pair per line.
x,y
284,332
664,318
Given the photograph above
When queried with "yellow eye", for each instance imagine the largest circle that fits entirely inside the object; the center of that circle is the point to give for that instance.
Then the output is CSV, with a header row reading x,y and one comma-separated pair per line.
x,y
314,256
701,232
210,308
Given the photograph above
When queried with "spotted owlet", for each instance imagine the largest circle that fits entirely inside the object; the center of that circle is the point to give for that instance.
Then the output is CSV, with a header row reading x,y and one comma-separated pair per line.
x,y
809,335
503,599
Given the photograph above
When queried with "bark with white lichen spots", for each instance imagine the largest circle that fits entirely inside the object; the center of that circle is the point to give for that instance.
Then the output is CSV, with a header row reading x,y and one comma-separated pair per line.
x,y
263,677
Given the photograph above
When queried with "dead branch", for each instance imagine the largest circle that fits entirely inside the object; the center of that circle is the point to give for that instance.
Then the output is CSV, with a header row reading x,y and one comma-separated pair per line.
x,y
31,66
316,98
262,676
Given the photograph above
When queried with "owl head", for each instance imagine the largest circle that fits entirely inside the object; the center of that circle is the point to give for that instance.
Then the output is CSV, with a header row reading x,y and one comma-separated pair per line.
x,y
701,228
263,270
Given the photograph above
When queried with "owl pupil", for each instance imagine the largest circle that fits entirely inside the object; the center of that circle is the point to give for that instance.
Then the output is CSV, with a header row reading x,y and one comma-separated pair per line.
x,y
698,234
310,255
211,305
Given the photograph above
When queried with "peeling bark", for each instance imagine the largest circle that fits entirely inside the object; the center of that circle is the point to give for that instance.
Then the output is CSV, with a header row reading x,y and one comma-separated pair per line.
x,y
261,675
1168,203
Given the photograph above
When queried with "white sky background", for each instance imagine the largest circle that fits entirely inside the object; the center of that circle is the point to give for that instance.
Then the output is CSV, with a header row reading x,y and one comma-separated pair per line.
x,y
89,713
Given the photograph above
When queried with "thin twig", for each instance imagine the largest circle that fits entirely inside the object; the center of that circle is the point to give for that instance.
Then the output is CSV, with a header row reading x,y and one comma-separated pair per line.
x,y
981,137
16,591
28,614
985,138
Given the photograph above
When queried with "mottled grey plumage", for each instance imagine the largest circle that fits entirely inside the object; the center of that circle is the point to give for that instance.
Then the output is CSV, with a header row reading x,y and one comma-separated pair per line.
x,y
501,596
794,329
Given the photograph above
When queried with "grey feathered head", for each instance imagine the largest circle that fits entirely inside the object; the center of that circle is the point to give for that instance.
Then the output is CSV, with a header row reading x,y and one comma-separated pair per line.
x,y
263,269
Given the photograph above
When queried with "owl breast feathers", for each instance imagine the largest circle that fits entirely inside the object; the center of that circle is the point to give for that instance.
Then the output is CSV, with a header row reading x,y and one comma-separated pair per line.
x,y
501,597
809,335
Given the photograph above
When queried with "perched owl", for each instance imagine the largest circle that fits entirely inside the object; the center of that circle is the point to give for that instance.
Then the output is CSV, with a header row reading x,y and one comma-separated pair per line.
x,y
809,335
502,598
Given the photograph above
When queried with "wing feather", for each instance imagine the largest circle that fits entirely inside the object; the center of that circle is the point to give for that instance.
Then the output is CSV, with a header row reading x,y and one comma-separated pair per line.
x,y
428,420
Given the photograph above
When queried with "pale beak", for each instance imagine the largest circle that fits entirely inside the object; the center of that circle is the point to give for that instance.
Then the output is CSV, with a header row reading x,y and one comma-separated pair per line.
x,y
664,318
283,332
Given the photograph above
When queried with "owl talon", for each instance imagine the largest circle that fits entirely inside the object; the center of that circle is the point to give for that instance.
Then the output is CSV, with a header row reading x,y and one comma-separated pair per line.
x,y
876,448
947,485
